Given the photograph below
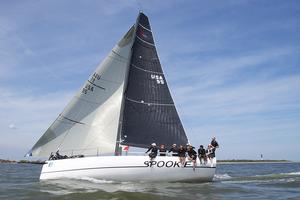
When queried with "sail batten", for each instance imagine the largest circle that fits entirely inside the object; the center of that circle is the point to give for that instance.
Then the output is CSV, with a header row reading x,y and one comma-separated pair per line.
x,y
71,120
150,103
149,71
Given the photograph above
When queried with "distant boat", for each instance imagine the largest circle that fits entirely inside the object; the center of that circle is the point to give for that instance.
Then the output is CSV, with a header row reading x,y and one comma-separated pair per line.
x,y
125,102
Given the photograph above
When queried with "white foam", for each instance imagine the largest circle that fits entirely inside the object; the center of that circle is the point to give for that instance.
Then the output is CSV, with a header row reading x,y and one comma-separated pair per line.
x,y
94,180
55,192
292,173
222,177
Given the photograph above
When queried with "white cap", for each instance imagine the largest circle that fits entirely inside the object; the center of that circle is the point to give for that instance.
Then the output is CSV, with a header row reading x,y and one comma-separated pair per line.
x,y
153,144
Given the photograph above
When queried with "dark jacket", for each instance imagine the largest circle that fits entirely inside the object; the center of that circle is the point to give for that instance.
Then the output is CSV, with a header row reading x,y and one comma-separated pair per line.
x,y
201,152
162,151
192,153
182,152
153,149
214,143
174,150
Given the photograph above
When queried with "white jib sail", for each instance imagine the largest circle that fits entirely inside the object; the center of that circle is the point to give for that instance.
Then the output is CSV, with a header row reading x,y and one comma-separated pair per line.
x,y
89,123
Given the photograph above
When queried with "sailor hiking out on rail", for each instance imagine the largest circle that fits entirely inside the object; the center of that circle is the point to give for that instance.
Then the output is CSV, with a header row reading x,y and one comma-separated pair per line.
x,y
186,152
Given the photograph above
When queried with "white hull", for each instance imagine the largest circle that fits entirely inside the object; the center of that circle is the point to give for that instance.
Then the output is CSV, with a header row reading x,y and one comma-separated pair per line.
x,y
128,168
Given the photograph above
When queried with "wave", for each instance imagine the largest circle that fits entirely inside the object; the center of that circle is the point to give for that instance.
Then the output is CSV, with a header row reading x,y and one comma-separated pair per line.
x,y
58,192
94,180
218,177
277,176
292,173
109,185
266,178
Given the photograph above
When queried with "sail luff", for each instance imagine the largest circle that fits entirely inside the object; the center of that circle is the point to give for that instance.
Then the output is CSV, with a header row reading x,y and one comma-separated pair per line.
x,y
118,151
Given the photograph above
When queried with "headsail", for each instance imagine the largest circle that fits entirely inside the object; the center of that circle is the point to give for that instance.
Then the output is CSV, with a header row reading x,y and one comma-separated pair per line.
x,y
149,111
91,120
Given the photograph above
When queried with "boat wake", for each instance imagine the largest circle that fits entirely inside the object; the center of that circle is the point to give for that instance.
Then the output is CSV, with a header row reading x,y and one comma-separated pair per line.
x,y
94,180
292,173
91,185
220,177
276,178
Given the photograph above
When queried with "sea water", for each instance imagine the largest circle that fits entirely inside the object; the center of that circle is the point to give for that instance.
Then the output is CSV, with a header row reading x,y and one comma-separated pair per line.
x,y
232,181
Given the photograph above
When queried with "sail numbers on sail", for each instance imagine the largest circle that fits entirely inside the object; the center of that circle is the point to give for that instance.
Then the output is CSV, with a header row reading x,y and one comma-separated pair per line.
x,y
90,85
159,79
94,77
87,88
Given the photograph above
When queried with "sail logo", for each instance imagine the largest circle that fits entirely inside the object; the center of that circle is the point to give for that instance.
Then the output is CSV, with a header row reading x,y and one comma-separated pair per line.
x,y
142,34
159,79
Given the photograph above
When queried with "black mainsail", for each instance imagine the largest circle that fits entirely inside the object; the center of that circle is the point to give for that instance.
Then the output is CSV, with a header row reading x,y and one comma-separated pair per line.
x,y
149,113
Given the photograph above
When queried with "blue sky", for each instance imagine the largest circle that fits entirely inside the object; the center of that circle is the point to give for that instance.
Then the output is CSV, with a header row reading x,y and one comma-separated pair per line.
x,y
233,67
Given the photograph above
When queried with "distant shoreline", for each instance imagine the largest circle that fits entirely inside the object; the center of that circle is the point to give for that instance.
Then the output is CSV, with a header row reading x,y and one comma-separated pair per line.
x,y
21,161
246,161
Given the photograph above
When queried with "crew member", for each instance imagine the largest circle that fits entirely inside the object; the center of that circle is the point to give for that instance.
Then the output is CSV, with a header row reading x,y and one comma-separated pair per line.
x,y
202,155
214,145
192,155
174,150
210,153
162,150
181,155
153,148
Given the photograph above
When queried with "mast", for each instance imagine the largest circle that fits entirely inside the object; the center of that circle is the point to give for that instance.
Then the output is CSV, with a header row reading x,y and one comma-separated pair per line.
x,y
118,150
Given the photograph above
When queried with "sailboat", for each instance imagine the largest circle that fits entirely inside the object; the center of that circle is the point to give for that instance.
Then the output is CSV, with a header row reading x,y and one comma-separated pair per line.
x,y
126,102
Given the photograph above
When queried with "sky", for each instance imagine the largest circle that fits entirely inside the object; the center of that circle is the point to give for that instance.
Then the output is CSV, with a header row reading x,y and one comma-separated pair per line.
x,y
233,67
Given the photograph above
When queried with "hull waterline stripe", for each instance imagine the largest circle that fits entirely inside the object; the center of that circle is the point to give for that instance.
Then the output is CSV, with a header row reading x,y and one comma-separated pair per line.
x,y
94,168
121,167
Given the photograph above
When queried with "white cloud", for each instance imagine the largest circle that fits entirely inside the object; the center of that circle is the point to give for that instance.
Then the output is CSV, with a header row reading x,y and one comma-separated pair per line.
x,y
33,113
217,70
12,126
206,90
244,98
258,110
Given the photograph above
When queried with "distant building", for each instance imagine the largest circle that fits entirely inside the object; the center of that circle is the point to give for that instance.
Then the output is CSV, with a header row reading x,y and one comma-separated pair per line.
x,y
261,157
